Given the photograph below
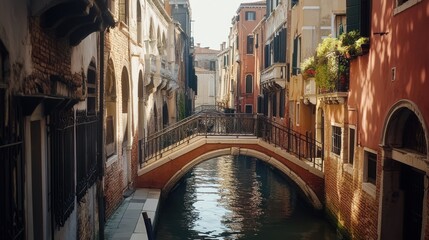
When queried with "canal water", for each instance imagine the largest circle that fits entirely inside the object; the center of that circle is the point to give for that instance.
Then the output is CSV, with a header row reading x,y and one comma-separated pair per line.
x,y
238,198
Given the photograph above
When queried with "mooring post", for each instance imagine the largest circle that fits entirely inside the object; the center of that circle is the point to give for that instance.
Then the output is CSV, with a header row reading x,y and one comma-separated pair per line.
x,y
148,225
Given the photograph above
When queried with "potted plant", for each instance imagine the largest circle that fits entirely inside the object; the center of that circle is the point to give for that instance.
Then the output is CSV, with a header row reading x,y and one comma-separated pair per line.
x,y
351,44
308,68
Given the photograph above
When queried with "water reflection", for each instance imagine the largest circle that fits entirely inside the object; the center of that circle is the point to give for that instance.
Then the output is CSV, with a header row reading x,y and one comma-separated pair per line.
x,y
237,198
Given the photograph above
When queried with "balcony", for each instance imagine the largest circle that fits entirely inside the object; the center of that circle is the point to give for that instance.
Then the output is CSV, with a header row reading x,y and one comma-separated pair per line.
x,y
74,19
151,64
275,76
338,93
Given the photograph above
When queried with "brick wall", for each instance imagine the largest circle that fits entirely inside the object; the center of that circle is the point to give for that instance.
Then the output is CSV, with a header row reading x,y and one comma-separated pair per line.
x,y
352,207
116,49
50,57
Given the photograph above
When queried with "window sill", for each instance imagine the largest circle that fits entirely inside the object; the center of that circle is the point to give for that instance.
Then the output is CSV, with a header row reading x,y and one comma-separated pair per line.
x,y
369,188
111,160
405,6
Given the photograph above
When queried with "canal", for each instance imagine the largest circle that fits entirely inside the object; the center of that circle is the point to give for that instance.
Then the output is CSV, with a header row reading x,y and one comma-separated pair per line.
x,y
238,198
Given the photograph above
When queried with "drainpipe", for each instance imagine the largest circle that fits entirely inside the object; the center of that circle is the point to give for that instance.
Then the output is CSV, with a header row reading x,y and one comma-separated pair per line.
x,y
100,184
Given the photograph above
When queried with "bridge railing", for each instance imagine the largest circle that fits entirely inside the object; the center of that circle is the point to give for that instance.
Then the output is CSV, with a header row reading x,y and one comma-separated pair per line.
x,y
217,124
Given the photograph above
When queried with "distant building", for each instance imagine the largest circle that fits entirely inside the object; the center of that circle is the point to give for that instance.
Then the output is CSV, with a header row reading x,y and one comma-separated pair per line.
x,y
205,63
242,47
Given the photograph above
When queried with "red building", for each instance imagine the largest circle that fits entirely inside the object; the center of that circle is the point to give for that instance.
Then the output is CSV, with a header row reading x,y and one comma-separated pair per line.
x,y
380,192
247,18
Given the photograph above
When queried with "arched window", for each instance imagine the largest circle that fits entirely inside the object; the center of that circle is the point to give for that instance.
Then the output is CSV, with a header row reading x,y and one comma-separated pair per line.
x,y
125,104
139,22
111,119
123,11
91,89
249,84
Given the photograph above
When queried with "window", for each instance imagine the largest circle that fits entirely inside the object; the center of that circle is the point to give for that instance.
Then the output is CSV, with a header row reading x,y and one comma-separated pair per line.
x,y
278,46
336,140
139,22
236,42
212,66
352,144
249,44
274,104
402,5
370,167
358,14
123,11
62,160
250,16
249,84
400,2
294,2
296,56
111,107
86,152
340,25
249,108
282,103
297,113
91,89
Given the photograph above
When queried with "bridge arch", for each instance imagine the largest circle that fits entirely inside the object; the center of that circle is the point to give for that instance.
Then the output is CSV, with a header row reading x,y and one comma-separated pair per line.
x,y
164,171
235,151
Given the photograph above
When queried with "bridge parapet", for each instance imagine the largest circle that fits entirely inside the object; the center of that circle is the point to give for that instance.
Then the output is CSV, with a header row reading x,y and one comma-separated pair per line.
x,y
206,124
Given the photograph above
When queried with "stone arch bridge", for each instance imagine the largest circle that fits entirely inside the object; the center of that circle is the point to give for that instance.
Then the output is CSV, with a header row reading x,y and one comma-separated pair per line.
x,y
171,153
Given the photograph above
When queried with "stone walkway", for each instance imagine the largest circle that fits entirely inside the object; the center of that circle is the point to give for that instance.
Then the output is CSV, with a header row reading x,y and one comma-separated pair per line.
x,y
127,221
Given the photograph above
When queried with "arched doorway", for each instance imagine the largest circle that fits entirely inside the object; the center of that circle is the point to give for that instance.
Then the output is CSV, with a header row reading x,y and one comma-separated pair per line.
x,y
126,118
404,174
140,120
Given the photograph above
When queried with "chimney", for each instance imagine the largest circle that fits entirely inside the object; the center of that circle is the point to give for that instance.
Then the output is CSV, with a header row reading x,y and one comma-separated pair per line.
x,y
198,44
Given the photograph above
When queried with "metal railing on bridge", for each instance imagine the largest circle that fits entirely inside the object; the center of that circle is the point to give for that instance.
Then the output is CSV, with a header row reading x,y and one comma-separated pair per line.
x,y
206,124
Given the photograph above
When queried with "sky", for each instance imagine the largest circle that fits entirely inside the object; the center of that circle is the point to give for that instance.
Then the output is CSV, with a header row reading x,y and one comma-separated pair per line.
x,y
212,20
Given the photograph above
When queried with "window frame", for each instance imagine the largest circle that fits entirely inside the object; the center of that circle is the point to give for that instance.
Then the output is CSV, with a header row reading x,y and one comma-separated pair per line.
x,y
297,113
400,7
336,139
250,44
91,89
351,150
246,108
250,16
249,91
370,155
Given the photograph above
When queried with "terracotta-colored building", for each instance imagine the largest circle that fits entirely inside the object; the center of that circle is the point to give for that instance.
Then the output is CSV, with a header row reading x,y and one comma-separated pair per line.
x,y
248,16
377,186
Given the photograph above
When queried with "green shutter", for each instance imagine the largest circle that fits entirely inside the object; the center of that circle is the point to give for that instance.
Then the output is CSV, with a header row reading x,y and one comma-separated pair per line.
x,y
353,8
295,57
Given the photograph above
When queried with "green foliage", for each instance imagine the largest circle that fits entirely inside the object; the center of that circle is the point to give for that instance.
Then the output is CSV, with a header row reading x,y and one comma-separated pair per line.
x,y
327,63
351,44
181,106
330,62
308,67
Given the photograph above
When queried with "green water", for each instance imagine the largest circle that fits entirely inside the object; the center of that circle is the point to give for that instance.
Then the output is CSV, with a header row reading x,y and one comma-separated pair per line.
x,y
238,198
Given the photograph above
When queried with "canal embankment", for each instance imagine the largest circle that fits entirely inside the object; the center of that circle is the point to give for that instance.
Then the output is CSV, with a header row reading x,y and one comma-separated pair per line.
x,y
127,221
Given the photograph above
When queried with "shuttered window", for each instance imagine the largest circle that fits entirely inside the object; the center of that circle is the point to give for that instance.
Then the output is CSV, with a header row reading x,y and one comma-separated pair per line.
x,y
359,16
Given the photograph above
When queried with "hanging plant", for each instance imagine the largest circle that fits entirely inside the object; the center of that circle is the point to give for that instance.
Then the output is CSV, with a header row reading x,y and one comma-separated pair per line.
x,y
308,68
327,63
